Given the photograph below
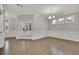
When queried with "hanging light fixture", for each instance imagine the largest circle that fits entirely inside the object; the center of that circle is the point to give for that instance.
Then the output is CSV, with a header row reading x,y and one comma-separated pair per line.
x,y
51,16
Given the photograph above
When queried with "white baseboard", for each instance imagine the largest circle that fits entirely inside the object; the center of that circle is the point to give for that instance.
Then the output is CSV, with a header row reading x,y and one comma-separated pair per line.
x,y
67,35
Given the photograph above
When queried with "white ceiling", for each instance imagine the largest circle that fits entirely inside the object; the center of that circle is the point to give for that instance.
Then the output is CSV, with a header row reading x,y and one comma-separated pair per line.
x,y
43,9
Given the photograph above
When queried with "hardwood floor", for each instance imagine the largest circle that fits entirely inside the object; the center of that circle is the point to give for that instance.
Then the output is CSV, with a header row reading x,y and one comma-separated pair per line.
x,y
44,46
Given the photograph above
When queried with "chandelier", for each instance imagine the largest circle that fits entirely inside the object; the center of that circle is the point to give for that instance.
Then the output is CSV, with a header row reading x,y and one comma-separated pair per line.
x,y
51,16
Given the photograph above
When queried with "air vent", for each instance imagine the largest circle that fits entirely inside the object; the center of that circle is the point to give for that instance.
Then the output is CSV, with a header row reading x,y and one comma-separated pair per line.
x,y
19,5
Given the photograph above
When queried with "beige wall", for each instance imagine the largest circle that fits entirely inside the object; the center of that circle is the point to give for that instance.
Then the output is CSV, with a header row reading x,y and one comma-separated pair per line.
x,y
40,26
65,31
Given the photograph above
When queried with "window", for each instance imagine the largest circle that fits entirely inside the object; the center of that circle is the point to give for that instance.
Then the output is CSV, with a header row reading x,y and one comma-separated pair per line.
x,y
61,21
6,26
69,19
54,21
64,20
26,26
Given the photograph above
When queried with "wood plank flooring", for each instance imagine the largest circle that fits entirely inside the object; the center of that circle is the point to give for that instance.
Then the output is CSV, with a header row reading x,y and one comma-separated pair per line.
x,y
44,46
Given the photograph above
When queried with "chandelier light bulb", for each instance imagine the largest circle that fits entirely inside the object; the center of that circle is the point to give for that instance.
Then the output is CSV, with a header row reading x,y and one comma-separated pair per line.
x,y
49,17
53,16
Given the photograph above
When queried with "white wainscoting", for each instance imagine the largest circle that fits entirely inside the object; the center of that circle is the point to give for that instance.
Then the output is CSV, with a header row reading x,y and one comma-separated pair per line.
x,y
39,35
24,35
68,35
